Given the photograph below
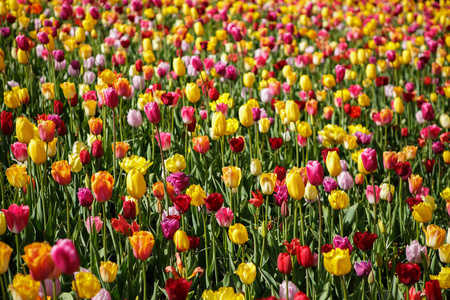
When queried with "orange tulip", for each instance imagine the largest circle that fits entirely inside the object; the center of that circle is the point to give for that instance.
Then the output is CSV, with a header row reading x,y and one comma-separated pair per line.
x,y
38,259
142,243
201,144
96,126
102,185
61,172
121,149
158,190
123,87
47,131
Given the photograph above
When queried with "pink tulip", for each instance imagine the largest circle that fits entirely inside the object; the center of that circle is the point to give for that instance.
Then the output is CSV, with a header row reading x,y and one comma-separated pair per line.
x,y
427,111
187,114
314,171
92,222
340,72
65,256
224,216
111,97
223,108
19,151
165,139
153,113
204,114
17,217
390,54
369,160
371,196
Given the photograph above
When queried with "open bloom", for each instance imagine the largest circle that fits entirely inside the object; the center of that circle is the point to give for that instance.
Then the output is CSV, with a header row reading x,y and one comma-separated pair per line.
x,y
142,243
16,217
246,272
231,176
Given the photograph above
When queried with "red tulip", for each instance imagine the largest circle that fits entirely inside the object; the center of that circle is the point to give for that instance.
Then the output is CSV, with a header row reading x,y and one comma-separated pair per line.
x,y
291,247
214,202
304,256
284,263
301,296
182,203
364,240
281,173
433,290
121,225
177,289
408,273
275,143
237,144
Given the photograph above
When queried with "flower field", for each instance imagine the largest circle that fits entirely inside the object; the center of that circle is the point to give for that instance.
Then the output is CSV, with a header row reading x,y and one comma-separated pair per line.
x,y
204,149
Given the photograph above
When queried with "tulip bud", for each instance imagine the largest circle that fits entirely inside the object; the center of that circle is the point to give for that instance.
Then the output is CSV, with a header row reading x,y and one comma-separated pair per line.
x,y
379,260
381,226
87,181
159,207
263,229
285,209
371,278
255,167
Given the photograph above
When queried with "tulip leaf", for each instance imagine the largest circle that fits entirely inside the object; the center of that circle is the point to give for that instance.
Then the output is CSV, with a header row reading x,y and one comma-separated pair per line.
x,y
267,277
350,215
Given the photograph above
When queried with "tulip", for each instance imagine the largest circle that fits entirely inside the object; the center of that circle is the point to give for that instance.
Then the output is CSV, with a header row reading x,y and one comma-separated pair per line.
x,y
255,167
136,185
304,256
11,100
61,172
338,200
342,243
328,81
142,243
333,163
181,241
169,227
422,212
408,273
444,253
364,240
16,217
134,118
224,217
363,268
187,114
305,83
294,183
219,124
249,79
5,255
367,161
284,263
201,144
2,223
246,115
65,256
389,159
108,271
177,289
435,236
371,72
24,130
292,111
68,89
443,278
38,259
433,290
192,92
179,67
36,150
93,223
17,176
238,234
267,182
415,183
314,171
345,180
246,273
291,291
102,185
231,176
373,194
337,261
153,113
24,287
86,285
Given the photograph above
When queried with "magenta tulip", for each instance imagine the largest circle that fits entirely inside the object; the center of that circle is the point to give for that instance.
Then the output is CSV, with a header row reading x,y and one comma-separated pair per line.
x,y
65,256
17,217
153,113
314,171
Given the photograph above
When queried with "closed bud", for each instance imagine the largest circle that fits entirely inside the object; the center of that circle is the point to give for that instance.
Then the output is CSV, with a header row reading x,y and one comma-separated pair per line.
x,y
381,226
159,207
371,278
379,260
263,229
285,209
87,181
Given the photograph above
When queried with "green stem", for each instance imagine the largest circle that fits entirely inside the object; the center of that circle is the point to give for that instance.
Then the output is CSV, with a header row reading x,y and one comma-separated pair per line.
x,y
206,248
264,229
302,233
250,141
4,293
144,278
43,289
340,222
287,286
344,289
319,252
105,248
67,211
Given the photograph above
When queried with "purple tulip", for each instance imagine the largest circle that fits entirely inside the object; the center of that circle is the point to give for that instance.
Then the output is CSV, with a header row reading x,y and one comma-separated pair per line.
x,y
169,227
413,252
363,268
438,147
329,184
179,181
342,243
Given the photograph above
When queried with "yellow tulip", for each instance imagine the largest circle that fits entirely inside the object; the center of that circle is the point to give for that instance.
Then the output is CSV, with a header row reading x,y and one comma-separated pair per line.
x,y
11,100
294,183
176,163
24,130
179,67
219,124
17,176
238,234
192,92
292,111
136,185
338,199
25,288
231,176
337,261
333,163
435,236
5,255
304,129
305,83
246,115
444,253
36,150
249,79
87,285
371,71
181,241
197,195
108,271
246,272
422,212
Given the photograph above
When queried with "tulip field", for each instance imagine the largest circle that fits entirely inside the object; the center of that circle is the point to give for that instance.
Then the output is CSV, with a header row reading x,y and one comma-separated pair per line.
x,y
224,149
